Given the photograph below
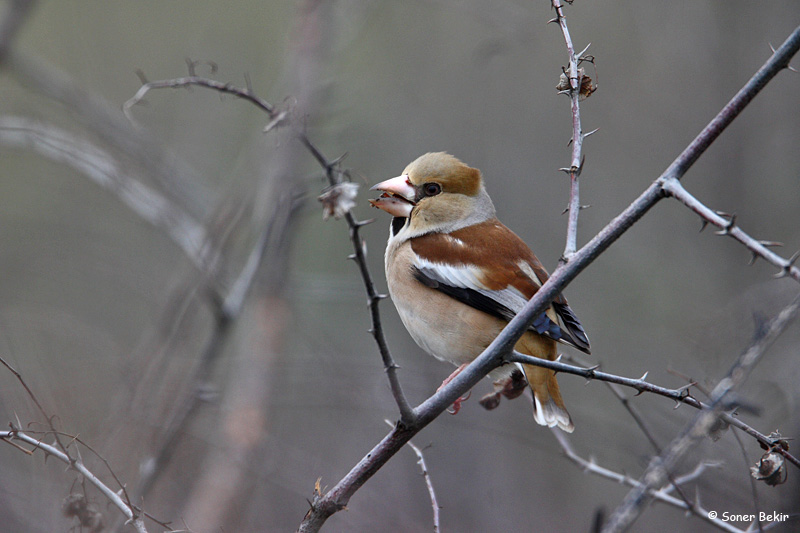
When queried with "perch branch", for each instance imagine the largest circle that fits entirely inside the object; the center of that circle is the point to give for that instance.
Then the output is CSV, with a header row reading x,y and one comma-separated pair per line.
x,y
323,506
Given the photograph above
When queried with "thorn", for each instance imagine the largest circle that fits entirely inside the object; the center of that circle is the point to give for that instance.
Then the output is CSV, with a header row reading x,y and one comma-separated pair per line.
x,y
644,376
553,20
587,206
279,119
591,132
726,230
381,296
141,76
789,264
684,391
703,225
361,223
565,169
352,257
769,244
583,51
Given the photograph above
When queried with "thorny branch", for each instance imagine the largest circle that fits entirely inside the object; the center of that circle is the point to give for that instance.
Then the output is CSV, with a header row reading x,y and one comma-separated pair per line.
x,y
574,82
661,494
680,395
61,452
335,176
656,473
428,483
323,506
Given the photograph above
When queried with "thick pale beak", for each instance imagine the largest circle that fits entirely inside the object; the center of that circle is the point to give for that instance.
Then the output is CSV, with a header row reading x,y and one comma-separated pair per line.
x,y
397,198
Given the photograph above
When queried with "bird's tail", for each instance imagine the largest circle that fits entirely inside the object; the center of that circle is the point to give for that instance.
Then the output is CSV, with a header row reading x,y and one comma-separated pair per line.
x,y
548,407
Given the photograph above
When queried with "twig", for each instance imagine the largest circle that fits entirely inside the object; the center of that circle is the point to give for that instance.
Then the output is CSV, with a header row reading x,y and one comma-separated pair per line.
x,y
661,495
680,395
428,482
323,506
112,496
574,170
334,175
60,451
728,227
655,474
199,81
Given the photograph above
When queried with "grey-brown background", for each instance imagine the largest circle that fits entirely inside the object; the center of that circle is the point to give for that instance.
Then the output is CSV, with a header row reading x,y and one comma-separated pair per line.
x,y
84,282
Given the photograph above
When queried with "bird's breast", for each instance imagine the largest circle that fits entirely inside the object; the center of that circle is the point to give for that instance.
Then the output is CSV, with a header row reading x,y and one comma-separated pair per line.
x,y
445,328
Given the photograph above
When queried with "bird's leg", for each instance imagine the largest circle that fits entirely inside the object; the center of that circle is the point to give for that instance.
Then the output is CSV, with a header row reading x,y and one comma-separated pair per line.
x,y
511,387
448,379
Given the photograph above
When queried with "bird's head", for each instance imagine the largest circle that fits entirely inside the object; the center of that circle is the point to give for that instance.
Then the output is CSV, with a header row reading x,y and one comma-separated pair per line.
x,y
436,193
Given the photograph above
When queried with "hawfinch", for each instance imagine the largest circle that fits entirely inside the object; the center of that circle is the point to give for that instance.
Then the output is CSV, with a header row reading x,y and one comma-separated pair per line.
x,y
457,275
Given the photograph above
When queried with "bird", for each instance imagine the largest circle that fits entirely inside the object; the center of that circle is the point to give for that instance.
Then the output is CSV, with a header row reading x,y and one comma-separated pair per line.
x,y
457,275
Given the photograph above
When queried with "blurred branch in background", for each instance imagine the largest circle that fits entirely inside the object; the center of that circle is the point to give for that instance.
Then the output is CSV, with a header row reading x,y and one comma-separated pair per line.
x,y
105,170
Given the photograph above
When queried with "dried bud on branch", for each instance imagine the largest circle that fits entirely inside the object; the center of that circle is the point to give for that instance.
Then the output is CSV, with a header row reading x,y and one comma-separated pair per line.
x,y
771,469
586,89
338,200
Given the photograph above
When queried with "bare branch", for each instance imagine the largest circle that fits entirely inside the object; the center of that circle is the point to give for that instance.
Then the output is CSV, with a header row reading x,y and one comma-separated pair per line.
x,y
728,227
662,495
78,465
59,450
334,175
428,482
108,172
574,82
323,506
199,81
655,475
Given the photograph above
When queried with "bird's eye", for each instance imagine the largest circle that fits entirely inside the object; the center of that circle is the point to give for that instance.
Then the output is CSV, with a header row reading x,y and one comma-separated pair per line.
x,y
431,189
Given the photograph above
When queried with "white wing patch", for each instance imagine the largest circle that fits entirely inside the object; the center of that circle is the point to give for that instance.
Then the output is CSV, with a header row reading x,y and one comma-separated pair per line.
x,y
469,277
464,276
526,268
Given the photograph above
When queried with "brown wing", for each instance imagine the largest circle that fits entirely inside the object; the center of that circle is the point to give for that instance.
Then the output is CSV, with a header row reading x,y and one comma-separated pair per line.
x,y
488,267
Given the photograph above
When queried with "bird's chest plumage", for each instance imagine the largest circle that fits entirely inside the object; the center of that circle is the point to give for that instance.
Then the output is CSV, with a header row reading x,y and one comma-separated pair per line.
x,y
443,327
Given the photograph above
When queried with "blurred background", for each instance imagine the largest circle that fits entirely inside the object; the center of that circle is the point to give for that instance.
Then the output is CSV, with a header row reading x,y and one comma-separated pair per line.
x,y
225,420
